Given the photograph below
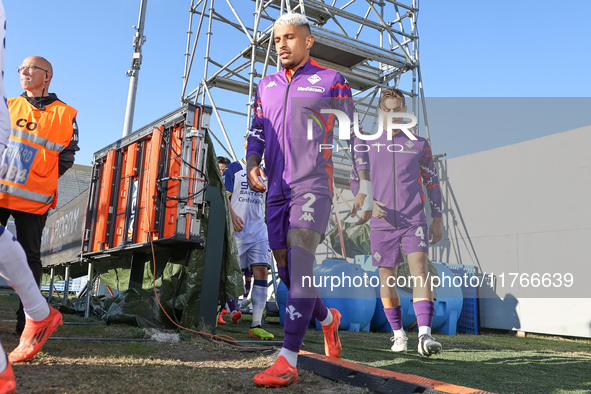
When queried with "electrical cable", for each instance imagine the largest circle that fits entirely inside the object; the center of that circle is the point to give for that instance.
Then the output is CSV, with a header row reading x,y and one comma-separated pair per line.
x,y
218,339
178,155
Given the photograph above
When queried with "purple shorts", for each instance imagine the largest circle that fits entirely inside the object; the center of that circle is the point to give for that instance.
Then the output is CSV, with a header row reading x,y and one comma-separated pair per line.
x,y
387,245
306,211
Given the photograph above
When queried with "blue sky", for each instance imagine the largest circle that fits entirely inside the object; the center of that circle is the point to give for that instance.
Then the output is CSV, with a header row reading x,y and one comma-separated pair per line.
x,y
487,50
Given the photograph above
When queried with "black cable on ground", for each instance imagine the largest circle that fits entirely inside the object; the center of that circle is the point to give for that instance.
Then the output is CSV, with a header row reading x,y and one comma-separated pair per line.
x,y
98,339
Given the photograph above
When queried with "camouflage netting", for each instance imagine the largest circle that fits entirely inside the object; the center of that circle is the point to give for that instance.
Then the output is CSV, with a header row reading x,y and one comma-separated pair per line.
x,y
178,272
356,239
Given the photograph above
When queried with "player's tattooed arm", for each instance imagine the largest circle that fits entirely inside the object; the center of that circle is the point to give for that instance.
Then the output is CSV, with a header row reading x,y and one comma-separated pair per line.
x,y
363,175
254,171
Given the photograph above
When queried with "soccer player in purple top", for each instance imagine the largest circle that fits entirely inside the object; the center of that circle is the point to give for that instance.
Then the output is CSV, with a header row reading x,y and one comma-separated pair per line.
x,y
299,179
398,168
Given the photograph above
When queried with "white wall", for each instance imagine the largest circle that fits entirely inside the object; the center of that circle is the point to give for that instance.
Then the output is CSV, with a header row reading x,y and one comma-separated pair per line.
x,y
524,209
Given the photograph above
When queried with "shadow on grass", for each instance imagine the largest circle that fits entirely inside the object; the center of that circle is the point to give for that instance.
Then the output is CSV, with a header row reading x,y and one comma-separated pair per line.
x,y
127,375
494,361
492,368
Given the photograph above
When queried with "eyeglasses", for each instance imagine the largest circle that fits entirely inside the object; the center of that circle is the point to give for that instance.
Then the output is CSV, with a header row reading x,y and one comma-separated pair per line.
x,y
20,69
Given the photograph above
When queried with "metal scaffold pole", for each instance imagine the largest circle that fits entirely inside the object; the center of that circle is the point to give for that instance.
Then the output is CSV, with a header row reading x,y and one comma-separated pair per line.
x,y
373,44
133,73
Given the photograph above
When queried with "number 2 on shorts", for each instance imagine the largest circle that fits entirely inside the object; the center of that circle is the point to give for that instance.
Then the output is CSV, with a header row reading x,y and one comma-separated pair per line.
x,y
307,207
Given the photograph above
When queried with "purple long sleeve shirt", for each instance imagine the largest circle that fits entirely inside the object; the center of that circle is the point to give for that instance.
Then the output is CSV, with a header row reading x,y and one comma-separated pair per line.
x,y
288,128
398,169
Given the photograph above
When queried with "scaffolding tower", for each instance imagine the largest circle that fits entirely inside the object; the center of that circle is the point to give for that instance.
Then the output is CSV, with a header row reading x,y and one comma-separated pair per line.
x,y
374,44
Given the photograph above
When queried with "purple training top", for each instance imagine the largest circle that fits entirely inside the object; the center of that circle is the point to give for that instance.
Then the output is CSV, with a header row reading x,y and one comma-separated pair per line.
x,y
295,164
398,169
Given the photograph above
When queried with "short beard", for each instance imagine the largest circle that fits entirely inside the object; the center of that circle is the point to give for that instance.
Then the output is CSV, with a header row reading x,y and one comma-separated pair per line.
x,y
289,64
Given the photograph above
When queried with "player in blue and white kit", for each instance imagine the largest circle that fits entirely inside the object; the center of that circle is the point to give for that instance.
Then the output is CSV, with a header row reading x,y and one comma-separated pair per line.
x,y
247,209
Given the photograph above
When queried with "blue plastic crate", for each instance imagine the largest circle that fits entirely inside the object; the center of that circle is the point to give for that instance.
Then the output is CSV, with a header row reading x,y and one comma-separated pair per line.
x,y
468,321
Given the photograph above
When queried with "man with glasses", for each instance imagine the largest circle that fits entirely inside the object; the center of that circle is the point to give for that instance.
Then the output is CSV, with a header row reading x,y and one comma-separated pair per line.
x,y
41,147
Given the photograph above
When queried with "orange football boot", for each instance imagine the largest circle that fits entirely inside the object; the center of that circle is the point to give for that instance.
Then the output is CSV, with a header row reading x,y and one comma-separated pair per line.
x,y
34,336
279,374
7,381
332,342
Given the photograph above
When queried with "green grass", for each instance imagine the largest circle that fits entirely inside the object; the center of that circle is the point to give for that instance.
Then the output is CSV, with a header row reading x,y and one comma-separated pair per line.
x,y
495,361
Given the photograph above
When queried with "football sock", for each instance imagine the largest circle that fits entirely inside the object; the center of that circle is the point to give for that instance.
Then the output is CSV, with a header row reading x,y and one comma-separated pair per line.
x,y
424,311
394,316
321,312
247,286
291,357
424,330
301,299
16,272
283,273
326,321
3,359
232,305
259,300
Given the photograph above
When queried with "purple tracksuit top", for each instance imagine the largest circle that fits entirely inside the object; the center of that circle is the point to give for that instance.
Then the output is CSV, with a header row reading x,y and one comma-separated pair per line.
x,y
295,164
398,170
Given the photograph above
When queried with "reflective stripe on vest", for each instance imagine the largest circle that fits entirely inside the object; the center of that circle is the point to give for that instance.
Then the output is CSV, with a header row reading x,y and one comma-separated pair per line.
x,y
38,140
27,194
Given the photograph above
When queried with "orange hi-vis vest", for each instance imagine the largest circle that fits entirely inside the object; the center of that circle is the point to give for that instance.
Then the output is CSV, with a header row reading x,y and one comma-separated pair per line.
x,y
30,167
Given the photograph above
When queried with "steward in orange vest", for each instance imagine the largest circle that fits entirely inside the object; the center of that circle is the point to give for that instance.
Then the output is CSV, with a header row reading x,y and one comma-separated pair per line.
x,y
41,147
42,130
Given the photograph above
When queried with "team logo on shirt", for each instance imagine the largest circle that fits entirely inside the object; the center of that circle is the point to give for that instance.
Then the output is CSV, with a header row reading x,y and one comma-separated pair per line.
x,y
293,314
256,133
271,84
307,216
314,79
409,144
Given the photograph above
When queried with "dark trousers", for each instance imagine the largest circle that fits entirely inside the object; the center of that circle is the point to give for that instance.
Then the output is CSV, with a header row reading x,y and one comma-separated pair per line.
x,y
29,228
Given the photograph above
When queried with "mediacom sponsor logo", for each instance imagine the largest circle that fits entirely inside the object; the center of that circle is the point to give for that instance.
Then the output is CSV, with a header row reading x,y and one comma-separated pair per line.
x,y
315,89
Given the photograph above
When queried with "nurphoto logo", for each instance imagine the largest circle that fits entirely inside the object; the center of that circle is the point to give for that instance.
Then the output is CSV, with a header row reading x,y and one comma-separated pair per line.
x,y
345,125
386,124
